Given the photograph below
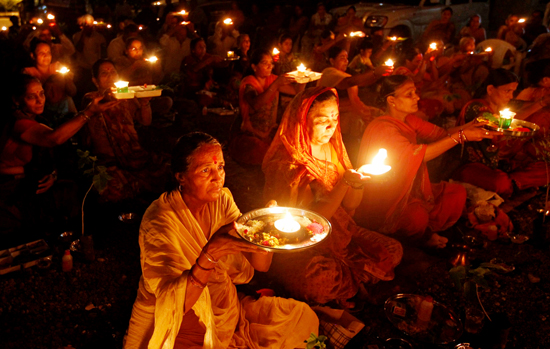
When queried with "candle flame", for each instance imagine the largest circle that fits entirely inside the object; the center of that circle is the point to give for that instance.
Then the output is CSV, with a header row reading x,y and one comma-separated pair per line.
x,y
185,23
121,84
50,16
109,26
63,70
182,12
140,27
4,28
488,49
389,63
521,20
275,51
507,114
301,67
433,46
39,21
393,38
358,34
228,21
377,167
287,224
152,59
95,22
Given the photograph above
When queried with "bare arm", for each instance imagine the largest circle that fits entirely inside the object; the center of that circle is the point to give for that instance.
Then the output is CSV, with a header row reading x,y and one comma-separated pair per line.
x,y
364,79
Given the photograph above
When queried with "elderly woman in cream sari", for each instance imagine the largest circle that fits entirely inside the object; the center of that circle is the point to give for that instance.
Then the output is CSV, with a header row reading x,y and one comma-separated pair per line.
x,y
191,263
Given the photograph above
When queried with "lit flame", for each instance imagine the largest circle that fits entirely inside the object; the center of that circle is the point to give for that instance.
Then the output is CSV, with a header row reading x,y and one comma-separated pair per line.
x,y
4,28
230,54
488,49
39,21
182,12
377,167
393,38
433,46
109,26
184,23
63,70
358,34
287,224
275,51
140,27
50,16
228,21
389,63
521,20
33,28
507,114
157,3
152,59
301,67
121,84
95,22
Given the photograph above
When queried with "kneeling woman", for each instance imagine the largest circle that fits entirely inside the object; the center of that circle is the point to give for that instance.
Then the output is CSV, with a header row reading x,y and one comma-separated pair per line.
x,y
406,205
307,166
190,262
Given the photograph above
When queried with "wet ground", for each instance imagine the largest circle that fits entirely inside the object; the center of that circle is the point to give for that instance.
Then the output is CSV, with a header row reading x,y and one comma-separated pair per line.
x,y
90,306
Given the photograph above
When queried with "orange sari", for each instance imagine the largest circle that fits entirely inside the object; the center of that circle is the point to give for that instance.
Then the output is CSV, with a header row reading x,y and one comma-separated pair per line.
x,y
406,204
333,270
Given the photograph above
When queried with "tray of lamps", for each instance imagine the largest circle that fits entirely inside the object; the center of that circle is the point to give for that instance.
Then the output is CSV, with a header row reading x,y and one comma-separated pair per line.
x,y
444,326
516,128
143,91
283,229
303,75
25,256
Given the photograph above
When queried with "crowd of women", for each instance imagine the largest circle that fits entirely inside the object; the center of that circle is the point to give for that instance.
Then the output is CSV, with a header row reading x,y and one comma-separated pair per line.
x,y
308,138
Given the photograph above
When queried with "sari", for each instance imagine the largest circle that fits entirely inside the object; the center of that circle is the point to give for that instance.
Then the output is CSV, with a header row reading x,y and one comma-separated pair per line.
x,y
114,140
334,269
494,164
406,204
249,144
170,241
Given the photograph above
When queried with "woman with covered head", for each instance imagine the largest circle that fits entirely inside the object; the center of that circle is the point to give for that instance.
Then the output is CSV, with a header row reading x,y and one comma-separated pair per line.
x,y
307,166
191,261
406,205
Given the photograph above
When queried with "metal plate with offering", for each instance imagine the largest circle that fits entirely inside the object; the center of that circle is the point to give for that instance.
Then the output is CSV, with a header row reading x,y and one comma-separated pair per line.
x,y
444,326
518,128
303,77
283,229
146,91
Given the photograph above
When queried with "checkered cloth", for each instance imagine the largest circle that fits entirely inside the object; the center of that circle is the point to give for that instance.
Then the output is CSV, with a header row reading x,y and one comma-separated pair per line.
x,y
337,336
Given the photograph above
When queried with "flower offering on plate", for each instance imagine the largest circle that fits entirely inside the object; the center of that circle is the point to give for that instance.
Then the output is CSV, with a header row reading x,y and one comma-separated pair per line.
x,y
283,229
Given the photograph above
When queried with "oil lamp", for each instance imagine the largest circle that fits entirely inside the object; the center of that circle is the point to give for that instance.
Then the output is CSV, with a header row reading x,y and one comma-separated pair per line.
x,y
377,167
287,224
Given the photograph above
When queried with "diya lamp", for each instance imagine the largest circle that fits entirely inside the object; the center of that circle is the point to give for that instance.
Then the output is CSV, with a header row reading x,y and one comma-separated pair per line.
x,y
140,27
230,54
4,28
275,54
389,63
228,21
433,46
488,50
377,167
521,20
39,21
183,12
50,16
358,34
393,38
506,117
301,70
95,22
109,26
63,70
158,3
121,86
289,228
152,59
185,23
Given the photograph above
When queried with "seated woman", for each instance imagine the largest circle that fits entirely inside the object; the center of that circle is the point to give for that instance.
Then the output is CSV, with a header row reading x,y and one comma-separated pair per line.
x,y
191,262
349,23
24,192
133,67
198,67
258,102
287,61
494,165
113,138
43,68
307,166
440,29
362,63
354,114
474,29
243,49
406,205
539,78
511,20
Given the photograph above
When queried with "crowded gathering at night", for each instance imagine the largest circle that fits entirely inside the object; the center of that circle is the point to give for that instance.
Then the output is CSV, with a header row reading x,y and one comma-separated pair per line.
x,y
276,174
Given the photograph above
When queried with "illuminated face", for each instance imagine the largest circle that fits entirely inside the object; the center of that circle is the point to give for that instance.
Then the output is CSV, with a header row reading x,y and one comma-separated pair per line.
x,y
366,52
322,121
42,55
264,67
245,43
45,35
341,61
107,76
135,50
205,177
200,49
512,21
405,98
286,46
475,22
34,99
500,96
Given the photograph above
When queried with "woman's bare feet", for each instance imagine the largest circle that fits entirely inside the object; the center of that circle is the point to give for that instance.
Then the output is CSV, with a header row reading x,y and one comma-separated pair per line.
x,y
437,241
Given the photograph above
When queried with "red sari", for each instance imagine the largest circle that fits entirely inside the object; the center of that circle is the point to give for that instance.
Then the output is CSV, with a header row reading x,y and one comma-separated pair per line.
x,y
333,270
406,205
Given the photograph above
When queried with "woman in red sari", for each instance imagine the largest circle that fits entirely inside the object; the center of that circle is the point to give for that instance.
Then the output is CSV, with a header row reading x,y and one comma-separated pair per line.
x,y
307,166
406,205
258,102
494,165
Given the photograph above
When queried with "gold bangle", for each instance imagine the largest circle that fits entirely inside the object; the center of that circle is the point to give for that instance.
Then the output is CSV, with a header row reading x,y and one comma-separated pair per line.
x,y
194,281
201,267
451,137
84,115
209,257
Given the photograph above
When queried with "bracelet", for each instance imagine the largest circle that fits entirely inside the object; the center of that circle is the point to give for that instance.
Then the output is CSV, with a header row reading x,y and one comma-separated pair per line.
x,y
195,282
464,135
209,257
461,136
84,115
201,267
353,185
451,137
